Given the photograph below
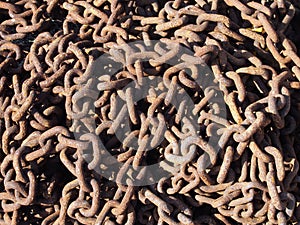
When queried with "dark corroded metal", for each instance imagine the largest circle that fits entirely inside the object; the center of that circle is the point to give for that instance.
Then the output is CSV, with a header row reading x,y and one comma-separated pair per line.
x,y
48,173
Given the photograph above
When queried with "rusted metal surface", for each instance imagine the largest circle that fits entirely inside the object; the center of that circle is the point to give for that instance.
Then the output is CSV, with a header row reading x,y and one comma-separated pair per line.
x,y
46,48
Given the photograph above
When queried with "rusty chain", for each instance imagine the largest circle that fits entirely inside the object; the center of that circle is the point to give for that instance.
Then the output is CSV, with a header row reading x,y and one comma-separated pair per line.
x,y
47,174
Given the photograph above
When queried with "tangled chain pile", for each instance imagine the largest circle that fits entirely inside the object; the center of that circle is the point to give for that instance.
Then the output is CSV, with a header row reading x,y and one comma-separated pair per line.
x,y
48,51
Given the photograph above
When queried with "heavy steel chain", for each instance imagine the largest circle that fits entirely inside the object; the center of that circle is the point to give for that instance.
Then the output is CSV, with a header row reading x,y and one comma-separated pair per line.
x,y
52,142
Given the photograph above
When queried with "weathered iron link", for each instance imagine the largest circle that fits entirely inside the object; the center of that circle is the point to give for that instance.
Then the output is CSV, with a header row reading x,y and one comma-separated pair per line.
x,y
60,115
